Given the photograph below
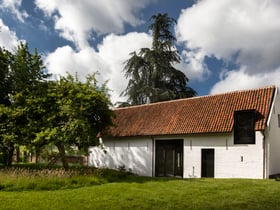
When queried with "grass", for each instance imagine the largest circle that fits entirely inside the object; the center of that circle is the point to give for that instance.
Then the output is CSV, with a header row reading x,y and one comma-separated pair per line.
x,y
37,178
107,189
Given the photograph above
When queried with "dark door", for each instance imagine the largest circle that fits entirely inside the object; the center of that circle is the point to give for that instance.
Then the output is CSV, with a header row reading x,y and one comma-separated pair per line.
x,y
207,163
169,158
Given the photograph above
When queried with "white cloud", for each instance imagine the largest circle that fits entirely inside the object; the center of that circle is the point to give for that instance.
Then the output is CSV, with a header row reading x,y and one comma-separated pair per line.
x,y
8,38
14,7
65,59
115,51
108,60
243,32
240,80
76,20
193,65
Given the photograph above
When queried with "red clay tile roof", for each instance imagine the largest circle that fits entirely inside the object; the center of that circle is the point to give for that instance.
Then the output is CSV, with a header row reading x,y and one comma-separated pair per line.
x,y
206,114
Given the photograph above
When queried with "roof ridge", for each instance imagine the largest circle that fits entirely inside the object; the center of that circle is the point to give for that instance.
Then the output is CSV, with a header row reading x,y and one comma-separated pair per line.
x,y
198,97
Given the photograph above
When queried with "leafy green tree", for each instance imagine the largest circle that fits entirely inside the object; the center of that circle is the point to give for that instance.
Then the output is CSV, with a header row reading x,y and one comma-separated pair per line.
x,y
12,130
36,112
67,113
22,71
152,74
27,69
5,81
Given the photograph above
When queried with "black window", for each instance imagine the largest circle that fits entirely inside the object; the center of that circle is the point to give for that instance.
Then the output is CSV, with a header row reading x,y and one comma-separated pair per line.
x,y
278,120
244,127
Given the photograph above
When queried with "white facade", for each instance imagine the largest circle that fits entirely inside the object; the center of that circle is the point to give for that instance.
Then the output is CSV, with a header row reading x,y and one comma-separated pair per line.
x,y
259,160
134,154
230,161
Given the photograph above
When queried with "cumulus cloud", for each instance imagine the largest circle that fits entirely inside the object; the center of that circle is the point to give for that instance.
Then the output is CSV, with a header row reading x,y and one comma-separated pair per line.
x,y
65,59
14,7
108,60
193,65
241,80
8,38
76,20
243,32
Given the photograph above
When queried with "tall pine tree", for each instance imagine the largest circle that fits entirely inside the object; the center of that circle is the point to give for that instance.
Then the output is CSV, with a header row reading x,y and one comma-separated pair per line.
x,y
151,72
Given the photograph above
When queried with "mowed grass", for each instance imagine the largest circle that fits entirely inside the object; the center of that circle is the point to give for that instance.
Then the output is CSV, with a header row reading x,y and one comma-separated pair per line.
x,y
117,190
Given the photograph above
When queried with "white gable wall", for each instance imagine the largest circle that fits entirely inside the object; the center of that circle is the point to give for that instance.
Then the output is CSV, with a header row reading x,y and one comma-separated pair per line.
x,y
231,161
272,138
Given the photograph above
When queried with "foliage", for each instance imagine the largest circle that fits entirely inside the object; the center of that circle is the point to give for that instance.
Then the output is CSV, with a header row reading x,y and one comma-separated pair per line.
x,y
22,71
27,69
5,82
36,112
152,74
5,90
65,113
12,127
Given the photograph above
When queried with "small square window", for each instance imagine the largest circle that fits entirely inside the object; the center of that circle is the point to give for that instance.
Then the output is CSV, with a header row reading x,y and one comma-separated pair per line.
x,y
244,127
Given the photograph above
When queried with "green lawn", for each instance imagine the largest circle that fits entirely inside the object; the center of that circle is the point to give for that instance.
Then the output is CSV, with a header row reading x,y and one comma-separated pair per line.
x,y
37,187
153,193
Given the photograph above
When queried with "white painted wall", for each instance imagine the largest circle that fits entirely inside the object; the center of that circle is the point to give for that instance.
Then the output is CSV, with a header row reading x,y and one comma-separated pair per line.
x,y
228,163
133,153
136,154
272,137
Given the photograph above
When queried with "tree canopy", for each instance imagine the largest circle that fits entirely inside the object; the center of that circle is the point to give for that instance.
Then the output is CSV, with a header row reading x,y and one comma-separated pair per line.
x,y
5,81
21,72
66,113
35,111
151,72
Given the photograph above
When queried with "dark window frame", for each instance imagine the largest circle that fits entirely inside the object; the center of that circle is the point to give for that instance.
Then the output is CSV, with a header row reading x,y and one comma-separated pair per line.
x,y
244,126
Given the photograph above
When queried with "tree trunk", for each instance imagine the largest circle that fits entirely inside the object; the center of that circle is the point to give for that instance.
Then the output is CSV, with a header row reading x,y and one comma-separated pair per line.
x,y
37,154
18,154
61,150
10,156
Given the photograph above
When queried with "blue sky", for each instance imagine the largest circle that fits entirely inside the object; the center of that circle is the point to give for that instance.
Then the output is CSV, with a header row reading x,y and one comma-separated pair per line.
x,y
224,45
